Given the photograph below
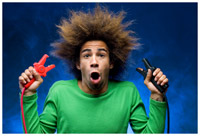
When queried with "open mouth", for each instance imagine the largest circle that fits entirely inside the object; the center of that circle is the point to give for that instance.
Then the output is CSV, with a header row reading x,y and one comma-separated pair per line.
x,y
95,77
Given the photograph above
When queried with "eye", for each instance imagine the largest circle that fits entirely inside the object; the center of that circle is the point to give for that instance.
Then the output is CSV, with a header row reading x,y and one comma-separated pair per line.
x,y
86,56
101,55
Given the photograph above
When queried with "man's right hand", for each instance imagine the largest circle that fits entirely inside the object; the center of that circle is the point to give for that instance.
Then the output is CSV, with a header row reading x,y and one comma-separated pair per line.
x,y
26,77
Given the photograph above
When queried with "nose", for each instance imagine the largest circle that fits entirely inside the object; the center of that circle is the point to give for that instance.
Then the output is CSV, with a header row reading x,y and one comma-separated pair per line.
x,y
94,63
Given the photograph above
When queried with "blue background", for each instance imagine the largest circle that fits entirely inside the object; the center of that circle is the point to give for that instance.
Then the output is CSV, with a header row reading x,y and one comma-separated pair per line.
x,y
168,32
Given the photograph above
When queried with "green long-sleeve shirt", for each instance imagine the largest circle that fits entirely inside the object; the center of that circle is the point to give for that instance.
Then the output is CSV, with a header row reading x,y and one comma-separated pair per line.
x,y
70,110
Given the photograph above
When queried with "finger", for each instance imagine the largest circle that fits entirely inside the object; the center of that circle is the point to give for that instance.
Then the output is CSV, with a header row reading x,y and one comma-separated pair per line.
x,y
22,80
148,77
164,81
160,80
37,75
31,69
28,73
140,69
26,78
158,76
156,71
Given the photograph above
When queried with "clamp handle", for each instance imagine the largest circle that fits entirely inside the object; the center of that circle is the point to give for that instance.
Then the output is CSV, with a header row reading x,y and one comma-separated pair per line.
x,y
41,69
144,74
29,83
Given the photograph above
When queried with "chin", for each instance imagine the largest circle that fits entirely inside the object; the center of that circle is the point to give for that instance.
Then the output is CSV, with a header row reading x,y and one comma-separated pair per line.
x,y
96,87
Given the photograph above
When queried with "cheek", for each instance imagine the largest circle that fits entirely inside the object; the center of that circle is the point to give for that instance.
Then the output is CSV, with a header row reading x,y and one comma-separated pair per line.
x,y
83,67
106,68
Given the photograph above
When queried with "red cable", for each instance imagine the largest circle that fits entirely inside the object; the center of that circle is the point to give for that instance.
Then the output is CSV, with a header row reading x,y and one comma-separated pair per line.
x,y
39,67
22,109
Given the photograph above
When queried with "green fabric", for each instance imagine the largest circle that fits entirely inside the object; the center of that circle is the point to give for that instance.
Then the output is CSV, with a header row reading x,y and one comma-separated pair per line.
x,y
70,110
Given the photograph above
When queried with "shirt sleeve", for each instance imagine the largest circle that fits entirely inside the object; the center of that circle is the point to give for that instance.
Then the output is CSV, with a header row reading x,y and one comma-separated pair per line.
x,y
44,123
139,121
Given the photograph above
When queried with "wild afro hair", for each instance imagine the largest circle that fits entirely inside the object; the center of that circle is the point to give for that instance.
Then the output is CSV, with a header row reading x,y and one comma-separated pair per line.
x,y
100,24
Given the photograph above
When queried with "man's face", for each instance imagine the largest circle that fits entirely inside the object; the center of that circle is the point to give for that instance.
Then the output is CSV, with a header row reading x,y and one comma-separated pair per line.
x,y
94,64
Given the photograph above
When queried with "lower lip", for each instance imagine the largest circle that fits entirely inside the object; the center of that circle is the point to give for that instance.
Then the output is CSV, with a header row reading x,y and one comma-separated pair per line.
x,y
95,81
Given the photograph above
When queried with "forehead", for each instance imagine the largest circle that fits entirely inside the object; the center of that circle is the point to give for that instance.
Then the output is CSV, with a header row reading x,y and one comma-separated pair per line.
x,y
94,45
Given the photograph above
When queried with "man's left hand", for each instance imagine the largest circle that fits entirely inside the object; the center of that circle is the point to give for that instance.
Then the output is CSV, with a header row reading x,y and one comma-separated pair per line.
x,y
160,78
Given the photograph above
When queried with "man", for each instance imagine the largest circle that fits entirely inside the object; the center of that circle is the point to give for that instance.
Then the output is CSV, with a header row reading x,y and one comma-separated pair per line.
x,y
96,46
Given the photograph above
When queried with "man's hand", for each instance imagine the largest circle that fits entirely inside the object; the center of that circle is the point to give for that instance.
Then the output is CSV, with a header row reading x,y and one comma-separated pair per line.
x,y
26,76
160,78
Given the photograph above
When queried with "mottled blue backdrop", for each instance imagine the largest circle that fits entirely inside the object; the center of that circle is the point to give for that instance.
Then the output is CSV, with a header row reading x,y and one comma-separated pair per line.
x,y
167,32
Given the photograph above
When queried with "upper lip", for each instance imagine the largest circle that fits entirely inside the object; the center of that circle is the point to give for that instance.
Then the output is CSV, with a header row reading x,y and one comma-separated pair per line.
x,y
95,71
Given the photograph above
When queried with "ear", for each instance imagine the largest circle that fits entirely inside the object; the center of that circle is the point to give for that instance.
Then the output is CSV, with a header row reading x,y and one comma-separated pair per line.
x,y
111,66
78,65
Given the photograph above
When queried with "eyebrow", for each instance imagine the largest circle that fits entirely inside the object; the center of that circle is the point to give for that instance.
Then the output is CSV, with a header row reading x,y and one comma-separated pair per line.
x,y
102,49
85,50
89,50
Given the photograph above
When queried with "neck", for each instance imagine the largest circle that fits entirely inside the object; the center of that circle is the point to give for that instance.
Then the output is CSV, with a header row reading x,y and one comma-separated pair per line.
x,y
86,89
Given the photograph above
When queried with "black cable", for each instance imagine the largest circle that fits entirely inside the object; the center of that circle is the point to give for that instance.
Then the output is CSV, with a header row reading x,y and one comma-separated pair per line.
x,y
168,115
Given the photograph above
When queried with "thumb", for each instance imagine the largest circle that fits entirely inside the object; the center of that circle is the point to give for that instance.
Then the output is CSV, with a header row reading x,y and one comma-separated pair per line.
x,y
37,75
148,77
139,69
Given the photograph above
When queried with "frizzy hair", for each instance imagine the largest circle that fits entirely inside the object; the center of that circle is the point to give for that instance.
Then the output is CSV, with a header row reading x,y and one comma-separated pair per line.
x,y
100,24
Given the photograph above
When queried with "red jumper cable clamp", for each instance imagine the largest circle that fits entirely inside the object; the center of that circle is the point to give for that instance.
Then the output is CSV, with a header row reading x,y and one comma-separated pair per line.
x,y
42,70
